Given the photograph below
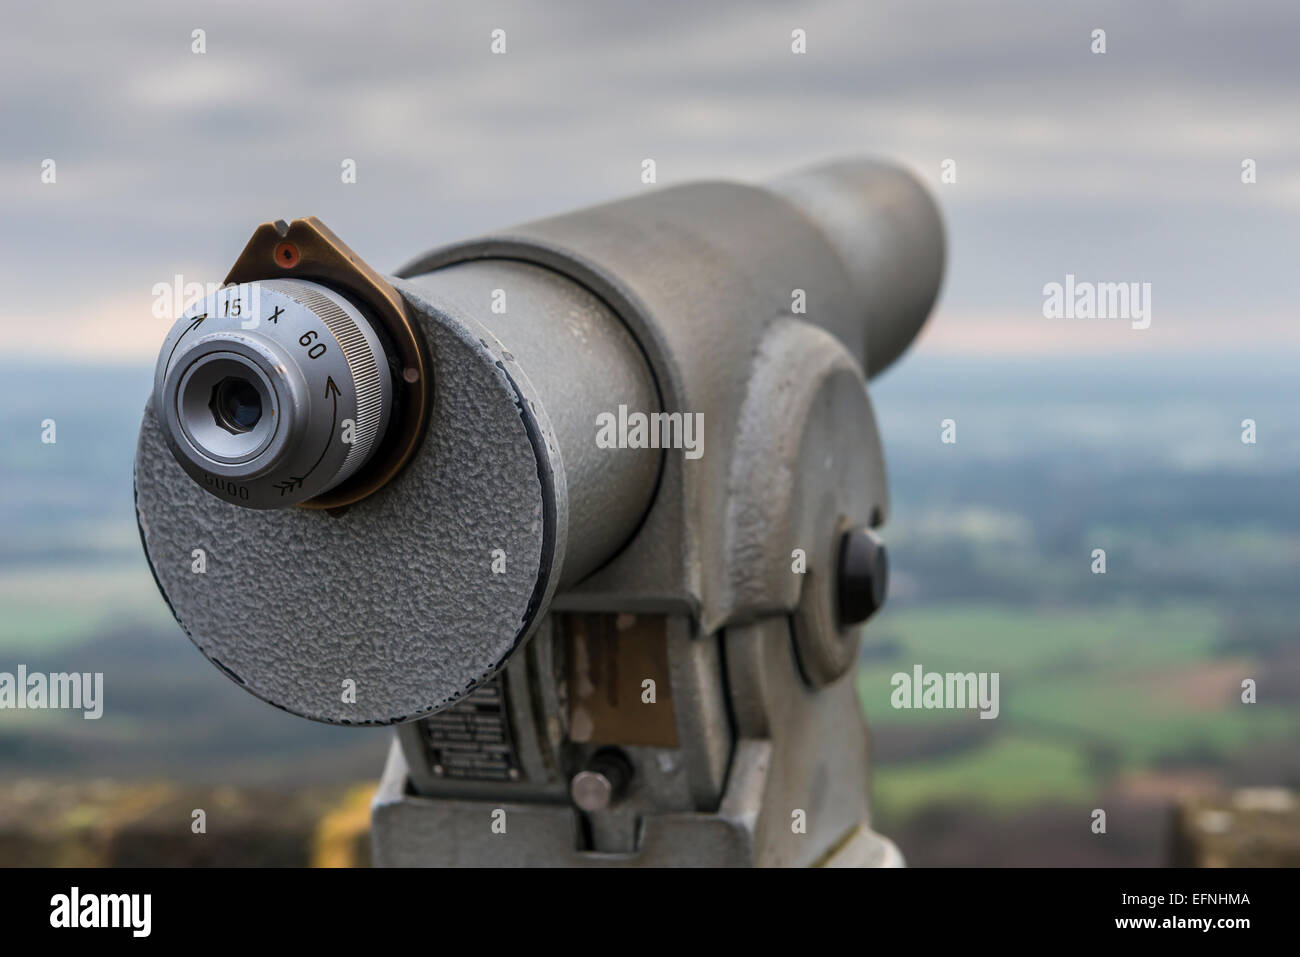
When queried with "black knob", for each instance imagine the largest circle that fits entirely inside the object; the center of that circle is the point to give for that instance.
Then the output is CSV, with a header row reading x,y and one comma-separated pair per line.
x,y
863,575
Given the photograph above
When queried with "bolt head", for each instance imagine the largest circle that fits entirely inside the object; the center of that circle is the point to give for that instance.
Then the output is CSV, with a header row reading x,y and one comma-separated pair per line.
x,y
863,576
591,790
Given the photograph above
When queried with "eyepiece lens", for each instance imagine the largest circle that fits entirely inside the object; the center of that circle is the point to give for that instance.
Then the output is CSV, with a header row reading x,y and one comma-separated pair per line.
x,y
260,416
236,405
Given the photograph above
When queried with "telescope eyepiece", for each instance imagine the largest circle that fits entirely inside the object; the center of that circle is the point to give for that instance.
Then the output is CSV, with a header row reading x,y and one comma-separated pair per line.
x,y
271,393
236,405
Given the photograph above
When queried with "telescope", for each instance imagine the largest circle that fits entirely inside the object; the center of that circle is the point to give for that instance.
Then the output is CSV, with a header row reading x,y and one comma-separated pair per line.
x,y
588,509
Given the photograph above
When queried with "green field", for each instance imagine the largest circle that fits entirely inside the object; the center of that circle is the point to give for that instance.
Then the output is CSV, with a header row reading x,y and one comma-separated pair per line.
x,y
1086,695
47,607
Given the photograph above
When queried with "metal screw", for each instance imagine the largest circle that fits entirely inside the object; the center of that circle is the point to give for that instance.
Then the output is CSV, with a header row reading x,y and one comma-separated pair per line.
x,y
603,781
591,790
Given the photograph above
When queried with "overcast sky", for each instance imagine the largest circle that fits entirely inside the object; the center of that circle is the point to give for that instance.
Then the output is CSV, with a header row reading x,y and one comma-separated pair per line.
x,y
1121,167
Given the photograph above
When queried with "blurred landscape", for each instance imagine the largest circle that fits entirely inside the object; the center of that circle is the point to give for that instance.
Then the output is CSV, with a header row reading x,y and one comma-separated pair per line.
x,y
1118,691
76,594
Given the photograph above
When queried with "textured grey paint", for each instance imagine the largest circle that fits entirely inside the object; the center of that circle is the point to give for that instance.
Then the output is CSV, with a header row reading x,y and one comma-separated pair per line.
x,y
397,592
701,273
886,228
582,361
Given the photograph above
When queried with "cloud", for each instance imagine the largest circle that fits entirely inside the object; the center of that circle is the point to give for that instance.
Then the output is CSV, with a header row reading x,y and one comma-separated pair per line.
x,y
1125,166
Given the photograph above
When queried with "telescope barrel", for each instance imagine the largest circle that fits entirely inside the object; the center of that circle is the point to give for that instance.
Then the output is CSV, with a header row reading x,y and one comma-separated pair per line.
x,y
618,407
887,230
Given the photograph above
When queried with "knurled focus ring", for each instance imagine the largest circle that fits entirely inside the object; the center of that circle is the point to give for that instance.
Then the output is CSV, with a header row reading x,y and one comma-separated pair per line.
x,y
367,376
272,393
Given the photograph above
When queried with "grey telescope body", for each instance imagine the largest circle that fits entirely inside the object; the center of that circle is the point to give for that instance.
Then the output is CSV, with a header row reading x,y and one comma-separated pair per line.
x,y
652,410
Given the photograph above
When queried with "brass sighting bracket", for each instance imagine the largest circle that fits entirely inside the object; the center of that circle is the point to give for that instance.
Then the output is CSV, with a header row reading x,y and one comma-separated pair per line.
x,y
307,249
